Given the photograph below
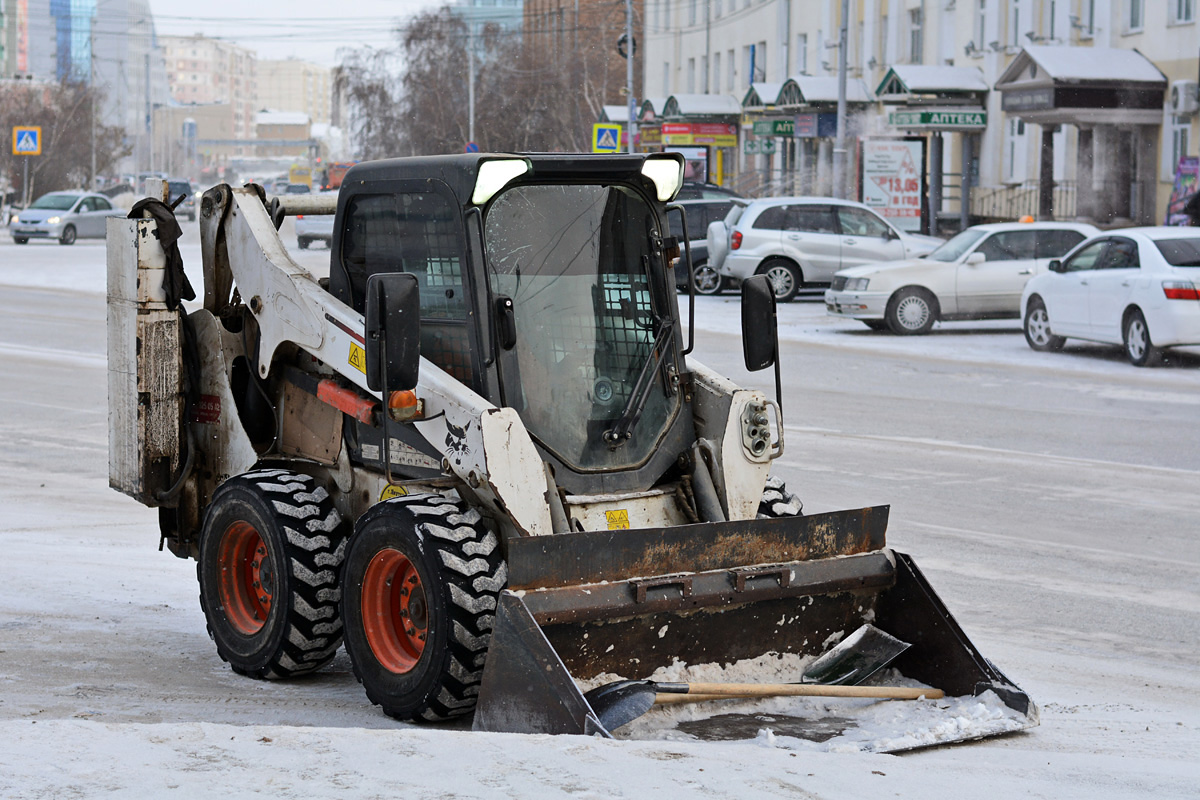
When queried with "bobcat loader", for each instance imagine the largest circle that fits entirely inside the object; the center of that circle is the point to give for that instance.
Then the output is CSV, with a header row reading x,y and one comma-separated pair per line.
x,y
481,454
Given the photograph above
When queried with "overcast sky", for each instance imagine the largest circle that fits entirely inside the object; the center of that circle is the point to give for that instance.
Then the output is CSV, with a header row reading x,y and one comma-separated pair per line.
x,y
305,29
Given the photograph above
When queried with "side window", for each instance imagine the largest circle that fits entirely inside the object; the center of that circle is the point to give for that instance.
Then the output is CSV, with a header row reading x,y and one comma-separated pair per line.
x,y
1121,254
1052,244
1009,246
773,218
811,219
85,205
100,204
856,222
1086,258
418,233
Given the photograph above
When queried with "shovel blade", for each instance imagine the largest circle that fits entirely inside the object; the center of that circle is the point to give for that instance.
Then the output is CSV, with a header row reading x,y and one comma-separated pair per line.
x,y
856,658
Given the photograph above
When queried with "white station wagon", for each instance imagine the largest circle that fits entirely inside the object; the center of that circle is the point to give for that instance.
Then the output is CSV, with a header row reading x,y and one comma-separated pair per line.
x,y
979,274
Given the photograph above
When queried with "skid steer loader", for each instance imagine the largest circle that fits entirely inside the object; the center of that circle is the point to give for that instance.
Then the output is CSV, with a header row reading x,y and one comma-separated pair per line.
x,y
481,453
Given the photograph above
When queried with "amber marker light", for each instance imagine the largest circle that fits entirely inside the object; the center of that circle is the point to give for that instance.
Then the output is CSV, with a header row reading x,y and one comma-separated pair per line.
x,y
404,406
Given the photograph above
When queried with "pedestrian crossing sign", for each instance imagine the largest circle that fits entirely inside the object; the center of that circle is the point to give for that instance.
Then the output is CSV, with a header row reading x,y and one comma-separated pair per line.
x,y
27,141
606,138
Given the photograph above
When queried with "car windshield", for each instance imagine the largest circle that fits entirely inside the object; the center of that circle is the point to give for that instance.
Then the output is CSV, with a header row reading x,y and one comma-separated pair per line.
x,y
1180,252
55,202
592,332
954,249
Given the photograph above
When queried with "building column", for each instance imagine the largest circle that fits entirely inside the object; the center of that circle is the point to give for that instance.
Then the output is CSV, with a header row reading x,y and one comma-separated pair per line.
x,y
1085,193
1123,154
964,213
1104,173
935,181
1145,144
825,167
1046,174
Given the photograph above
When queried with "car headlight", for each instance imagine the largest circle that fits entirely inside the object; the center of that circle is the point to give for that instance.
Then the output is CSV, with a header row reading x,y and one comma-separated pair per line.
x,y
857,284
54,220
15,219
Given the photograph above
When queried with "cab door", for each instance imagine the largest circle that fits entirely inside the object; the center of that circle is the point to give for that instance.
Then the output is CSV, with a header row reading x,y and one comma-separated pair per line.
x,y
994,286
811,239
1110,288
1067,297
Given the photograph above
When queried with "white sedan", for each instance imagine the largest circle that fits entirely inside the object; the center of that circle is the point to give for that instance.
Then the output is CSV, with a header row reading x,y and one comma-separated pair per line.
x,y
1138,287
978,274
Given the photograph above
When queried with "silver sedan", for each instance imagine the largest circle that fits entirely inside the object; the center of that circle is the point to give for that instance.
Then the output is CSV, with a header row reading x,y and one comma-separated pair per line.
x,y
65,216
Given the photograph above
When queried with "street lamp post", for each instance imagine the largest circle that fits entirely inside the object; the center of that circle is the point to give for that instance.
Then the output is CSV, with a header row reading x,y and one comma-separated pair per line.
x,y
839,147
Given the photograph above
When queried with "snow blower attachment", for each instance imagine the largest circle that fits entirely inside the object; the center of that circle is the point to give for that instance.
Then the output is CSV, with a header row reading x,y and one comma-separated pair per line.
x,y
481,455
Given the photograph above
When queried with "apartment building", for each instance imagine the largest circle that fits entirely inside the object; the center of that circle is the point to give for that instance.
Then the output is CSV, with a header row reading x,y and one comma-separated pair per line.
x,y
295,85
203,71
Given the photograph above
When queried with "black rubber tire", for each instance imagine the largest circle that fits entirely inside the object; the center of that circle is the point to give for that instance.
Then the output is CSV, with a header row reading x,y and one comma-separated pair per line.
x,y
911,312
777,501
875,324
68,235
708,281
21,239
1037,328
304,540
461,571
304,243
1136,338
785,278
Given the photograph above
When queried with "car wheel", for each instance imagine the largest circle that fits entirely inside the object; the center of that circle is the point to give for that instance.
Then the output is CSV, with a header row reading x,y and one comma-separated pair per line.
x,y
303,243
1138,347
1037,328
21,239
785,279
911,312
875,324
708,281
68,235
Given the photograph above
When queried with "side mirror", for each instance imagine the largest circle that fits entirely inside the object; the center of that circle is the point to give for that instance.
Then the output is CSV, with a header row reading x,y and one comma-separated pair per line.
x,y
393,332
759,334
975,258
1056,266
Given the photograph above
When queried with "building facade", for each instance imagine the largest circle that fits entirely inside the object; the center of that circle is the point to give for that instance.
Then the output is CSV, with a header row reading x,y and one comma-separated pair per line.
x,y
294,85
1048,125
204,71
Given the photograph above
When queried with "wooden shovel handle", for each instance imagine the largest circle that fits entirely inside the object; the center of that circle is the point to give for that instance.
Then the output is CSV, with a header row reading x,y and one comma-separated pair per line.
x,y
715,691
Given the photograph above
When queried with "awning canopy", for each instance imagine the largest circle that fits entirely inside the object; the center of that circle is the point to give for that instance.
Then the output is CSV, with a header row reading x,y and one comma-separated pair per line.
x,y
917,84
1088,85
701,106
809,90
761,96
651,109
614,114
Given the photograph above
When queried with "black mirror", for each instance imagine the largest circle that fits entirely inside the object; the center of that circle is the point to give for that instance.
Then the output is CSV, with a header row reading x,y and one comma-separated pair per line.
x,y
393,340
1056,266
758,323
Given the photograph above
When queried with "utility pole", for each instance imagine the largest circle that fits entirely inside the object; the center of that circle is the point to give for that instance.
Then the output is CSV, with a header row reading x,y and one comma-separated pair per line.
x,y
471,74
630,126
92,90
839,147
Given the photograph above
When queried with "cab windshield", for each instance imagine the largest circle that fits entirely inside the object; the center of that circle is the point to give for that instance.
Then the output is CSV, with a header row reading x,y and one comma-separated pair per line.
x,y
593,350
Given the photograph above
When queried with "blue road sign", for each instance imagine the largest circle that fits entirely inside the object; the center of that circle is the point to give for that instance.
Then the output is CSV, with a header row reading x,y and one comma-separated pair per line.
x,y
27,140
606,138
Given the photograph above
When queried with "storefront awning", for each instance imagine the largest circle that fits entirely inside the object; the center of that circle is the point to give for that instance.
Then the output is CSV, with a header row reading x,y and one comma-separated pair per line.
x,y
761,96
917,84
811,90
651,109
1083,85
614,114
701,106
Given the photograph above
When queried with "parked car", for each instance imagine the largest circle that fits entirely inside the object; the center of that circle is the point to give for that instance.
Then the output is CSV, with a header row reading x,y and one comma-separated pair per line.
x,y
65,216
177,187
979,274
1138,287
700,214
314,227
694,190
297,188
800,242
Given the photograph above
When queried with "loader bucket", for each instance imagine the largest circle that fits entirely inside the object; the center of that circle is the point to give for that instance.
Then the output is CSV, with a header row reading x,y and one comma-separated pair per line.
x,y
597,606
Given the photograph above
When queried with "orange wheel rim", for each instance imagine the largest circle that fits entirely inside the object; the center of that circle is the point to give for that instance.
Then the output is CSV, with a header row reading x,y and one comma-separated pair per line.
x,y
246,579
395,612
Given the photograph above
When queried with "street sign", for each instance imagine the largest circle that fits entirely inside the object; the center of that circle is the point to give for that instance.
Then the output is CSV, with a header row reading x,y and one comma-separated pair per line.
x,y
472,147
940,119
27,140
606,138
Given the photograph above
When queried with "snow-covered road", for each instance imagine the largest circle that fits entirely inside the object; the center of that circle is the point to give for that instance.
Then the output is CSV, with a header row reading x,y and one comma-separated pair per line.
x,y
1049,498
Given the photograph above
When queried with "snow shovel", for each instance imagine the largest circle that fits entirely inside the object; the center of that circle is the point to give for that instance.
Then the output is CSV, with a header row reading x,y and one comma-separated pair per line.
x,y
853,660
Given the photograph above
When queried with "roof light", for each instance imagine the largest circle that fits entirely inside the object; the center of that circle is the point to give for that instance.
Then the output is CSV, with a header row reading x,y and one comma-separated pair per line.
x,y
495,175
667,175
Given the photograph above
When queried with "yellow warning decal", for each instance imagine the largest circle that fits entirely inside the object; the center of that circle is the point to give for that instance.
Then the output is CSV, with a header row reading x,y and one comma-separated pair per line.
x,y
617,520
391,491
358,357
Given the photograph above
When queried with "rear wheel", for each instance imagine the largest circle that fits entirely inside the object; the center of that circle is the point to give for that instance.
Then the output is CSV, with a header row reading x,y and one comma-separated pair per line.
x,y
777,501
304,243
421,581
68,235
911,312
1037,328
785,278
1138,346
270,549
708,281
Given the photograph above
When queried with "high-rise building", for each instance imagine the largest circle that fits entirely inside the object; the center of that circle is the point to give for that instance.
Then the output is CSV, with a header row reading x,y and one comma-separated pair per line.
x,y
295,85
201,71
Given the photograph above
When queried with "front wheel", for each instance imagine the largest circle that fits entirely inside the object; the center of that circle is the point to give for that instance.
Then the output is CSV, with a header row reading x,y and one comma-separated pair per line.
x,y
1037,328
911,312
1138,347
785,279
707,280
303,243
420,586
270,549
68,235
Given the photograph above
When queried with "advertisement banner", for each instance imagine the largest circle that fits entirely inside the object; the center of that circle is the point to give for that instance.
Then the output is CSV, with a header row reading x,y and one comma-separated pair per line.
x,y
893,180
717,134
1187,183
